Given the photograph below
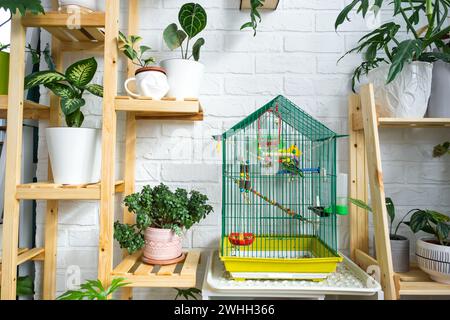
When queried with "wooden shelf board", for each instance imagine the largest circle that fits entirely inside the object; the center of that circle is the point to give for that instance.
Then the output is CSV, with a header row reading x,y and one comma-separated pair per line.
x,y
268,4
52,191
66,20
418,283
31,110
165,109
25,255
139,274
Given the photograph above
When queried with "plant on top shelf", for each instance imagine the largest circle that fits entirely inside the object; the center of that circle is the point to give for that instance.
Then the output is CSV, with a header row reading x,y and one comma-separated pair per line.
x,y
441,149
72,148
185,75
399,243
161,215
388,58
151,81
255,16
433,254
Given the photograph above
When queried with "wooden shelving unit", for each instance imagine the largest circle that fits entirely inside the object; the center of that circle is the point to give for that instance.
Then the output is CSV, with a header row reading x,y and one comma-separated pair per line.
x,y
96,31
365,166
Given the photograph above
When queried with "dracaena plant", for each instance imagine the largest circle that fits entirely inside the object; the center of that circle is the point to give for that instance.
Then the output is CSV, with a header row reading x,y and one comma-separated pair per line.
x,y
21,6
193,19
383,45
159,207
255,16
131,49
70,87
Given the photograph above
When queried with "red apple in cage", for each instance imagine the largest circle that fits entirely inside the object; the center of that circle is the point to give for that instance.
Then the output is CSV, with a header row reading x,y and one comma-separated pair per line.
x,y
241,239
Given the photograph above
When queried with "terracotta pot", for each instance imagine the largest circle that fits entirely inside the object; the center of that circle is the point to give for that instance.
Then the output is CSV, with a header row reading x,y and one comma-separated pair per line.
x,y
434,259
161,244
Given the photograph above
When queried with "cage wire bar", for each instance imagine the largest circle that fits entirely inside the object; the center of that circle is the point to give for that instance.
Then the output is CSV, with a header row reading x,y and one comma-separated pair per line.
x,y
279,187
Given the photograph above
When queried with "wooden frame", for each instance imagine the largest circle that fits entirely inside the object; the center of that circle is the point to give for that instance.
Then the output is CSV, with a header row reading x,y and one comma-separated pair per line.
x,y
365,166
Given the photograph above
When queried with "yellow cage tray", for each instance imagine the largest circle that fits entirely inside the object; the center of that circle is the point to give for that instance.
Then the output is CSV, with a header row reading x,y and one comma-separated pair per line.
x,y
302,257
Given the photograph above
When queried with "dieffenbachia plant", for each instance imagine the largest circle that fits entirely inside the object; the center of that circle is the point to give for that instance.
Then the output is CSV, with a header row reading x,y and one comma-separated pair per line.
x,y
255,5
383,45
193,19
70,87
21,6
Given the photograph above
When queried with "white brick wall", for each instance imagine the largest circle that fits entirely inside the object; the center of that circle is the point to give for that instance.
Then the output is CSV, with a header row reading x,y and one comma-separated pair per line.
x,y
293,54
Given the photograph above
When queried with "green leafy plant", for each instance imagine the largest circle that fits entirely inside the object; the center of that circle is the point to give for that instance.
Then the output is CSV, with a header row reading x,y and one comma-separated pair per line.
x,y
390,207
441,149
138,55
93,290
21,6
188,293
70,87
431,222
193,19
382,44
24,287
255,16
36,56
159,207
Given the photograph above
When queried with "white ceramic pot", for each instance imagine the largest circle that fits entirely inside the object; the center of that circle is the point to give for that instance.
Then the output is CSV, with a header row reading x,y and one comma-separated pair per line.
x,y
185,77
149,82
434,259
405,97
75,154
93,5
162,244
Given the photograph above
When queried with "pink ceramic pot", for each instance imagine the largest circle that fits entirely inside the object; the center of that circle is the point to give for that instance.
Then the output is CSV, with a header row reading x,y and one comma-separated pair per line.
x,y
162,244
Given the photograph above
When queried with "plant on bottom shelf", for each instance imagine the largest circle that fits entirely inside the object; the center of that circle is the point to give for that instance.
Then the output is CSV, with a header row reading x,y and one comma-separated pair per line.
x,y
161,215
441,149
255,16
70,87
188,293
93,290
25,286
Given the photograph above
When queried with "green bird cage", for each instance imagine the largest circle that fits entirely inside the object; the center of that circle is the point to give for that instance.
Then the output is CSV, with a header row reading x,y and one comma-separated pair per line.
x,y
279,196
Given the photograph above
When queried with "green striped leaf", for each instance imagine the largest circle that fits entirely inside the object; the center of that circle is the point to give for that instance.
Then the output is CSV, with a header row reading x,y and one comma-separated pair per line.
x,y
192,18
95,89
75,119
61,90
69,106
43,78
81,73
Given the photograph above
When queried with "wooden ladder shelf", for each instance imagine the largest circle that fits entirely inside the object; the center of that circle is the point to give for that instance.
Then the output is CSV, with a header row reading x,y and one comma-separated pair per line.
x,y
365,168
97,32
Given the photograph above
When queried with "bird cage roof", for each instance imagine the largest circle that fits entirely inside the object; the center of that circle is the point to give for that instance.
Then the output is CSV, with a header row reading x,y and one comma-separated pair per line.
x,y
289,114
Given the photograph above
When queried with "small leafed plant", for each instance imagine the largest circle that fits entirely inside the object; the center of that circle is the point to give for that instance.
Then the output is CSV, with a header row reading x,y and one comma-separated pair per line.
x,y
93,290
193,19
21,6
255,16
159,207
191,293
431,222
70,87
131,49
441,149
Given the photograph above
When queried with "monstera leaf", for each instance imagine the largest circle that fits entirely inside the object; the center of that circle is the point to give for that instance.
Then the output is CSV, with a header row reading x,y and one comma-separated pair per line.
x,y
81,73
173,36
34,6
43,77
192,18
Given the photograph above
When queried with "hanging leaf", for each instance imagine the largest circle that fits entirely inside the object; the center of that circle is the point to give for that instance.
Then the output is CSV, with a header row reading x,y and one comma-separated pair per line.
x,y
34,6
43,78
390,209
75,119
196,48
343,15
173,37
69,106
61,90
82,72
192,18
95,89
361,204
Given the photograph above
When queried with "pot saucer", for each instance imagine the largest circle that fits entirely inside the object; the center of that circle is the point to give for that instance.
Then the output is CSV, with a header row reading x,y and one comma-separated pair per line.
x,y
164,262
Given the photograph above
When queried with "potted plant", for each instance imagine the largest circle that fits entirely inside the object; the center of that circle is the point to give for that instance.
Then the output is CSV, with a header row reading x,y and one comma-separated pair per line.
x,y
161,215
150,81
433,254
441,149
401,70
21,6
185,75
94,290
399,244
75,152
255,5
